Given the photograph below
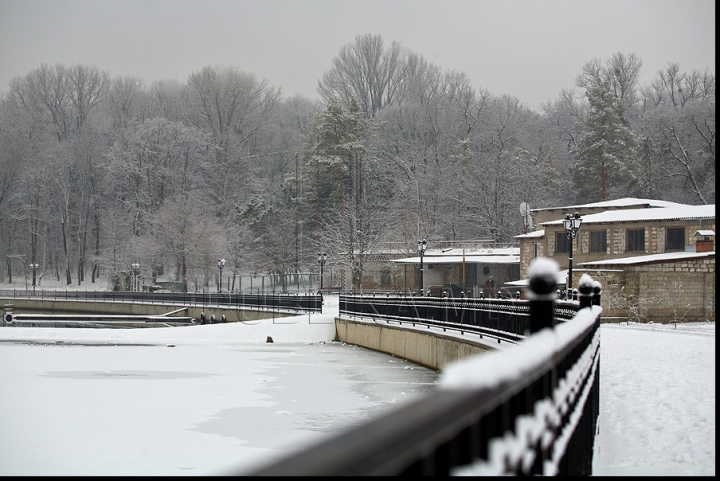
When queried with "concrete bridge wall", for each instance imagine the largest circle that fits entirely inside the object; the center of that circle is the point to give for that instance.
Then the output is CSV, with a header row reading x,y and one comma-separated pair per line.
x,y
56,306
430,349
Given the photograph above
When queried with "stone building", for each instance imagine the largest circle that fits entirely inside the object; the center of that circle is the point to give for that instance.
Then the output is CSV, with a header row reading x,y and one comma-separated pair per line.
x,y
655,259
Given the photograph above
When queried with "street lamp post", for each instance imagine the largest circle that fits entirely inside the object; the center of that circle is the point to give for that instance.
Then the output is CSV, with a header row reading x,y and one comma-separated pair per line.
x,y
34,268
571,225
422,245
322,257
136,273
221,264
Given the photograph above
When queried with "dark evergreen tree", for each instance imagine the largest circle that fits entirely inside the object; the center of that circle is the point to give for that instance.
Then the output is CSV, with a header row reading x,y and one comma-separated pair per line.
x,y
607,149
334,171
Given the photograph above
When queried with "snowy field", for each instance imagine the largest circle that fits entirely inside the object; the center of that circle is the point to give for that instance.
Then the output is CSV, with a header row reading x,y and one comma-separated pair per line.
x,y
218,398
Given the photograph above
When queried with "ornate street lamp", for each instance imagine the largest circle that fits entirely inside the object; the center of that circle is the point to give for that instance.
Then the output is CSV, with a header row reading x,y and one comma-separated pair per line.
x,y
136,273
422,245
34,268
571,225
221,264
322,257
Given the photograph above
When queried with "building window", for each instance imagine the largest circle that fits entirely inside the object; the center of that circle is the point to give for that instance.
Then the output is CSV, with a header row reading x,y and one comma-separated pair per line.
x,y
635,240
562,243
598,241
675,239
535,250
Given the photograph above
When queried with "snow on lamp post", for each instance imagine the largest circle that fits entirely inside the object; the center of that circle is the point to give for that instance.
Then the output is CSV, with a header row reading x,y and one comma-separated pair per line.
x,y
322,257
571,225
221,264
421,246
136,273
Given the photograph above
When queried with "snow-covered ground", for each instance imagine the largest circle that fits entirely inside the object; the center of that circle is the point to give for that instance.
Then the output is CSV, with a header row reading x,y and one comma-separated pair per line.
x,y
218,398
657,400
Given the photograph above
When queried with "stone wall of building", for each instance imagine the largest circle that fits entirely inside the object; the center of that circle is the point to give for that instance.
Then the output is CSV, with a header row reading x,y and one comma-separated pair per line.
x,y
655,240
527,252
657,292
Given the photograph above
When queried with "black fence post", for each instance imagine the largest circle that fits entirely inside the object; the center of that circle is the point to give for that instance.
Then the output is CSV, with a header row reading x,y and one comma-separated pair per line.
x,y
585,290
597,290
542,294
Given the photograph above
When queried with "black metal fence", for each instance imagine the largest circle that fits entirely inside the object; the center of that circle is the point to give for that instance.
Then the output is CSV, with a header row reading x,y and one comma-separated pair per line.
x,y
539,420
289,302
505,319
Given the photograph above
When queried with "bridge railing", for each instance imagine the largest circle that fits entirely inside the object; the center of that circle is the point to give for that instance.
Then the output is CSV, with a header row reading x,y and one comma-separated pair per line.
x,y
508,319
530,409
292,302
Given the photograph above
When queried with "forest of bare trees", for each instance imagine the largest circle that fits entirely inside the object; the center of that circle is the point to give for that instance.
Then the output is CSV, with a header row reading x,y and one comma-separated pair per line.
x,y
97,173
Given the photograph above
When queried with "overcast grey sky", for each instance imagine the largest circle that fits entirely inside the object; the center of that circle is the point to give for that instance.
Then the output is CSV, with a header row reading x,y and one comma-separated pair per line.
x,y
529,49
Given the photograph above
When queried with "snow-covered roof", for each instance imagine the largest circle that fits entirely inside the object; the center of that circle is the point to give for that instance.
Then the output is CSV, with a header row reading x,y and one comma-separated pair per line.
x,y
649,259
537,233
468,259
686,212
624,202
561,278
456,251
490,255
705,232
385,250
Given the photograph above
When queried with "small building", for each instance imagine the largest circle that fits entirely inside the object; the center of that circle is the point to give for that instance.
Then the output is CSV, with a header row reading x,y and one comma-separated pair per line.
x,y
470,269
473,267
628,234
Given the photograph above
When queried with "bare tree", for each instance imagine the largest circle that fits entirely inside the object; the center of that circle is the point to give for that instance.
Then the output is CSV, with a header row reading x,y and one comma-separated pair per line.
x,y
127,103
159,160
365,71
679,130
235,108
183,239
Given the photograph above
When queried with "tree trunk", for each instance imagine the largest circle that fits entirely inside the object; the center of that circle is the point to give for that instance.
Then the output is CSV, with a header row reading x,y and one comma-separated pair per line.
x,y
68,275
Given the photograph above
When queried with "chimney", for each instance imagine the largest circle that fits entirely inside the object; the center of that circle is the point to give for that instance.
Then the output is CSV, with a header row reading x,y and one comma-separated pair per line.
x,y
704,243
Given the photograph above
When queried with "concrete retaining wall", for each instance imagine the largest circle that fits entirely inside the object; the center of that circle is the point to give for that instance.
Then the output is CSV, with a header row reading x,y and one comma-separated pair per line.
x,y
428,348
50,306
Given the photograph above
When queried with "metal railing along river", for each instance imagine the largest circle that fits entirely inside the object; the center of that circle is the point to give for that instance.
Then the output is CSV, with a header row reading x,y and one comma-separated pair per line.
x,y
502,319
287,302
